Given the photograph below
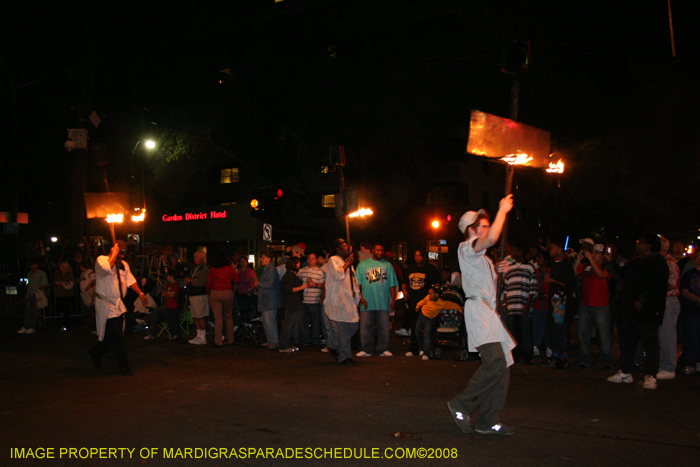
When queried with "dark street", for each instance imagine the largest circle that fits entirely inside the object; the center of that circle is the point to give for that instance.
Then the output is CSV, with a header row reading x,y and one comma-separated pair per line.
x,y
244,396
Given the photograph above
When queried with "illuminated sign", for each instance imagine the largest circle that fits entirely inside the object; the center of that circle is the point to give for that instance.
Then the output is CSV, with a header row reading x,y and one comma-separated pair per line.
x,y
194,216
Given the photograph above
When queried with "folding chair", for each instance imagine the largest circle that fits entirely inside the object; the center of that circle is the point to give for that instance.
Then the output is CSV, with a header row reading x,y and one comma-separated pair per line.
x,y
186,321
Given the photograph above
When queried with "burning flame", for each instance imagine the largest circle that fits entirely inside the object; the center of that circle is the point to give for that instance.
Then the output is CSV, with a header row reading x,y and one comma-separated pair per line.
x,y
517,159
115,218
361,213
557,168
140,217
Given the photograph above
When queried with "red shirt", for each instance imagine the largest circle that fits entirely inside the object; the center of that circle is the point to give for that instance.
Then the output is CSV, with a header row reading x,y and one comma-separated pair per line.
x,y
594,290
221,278
174,301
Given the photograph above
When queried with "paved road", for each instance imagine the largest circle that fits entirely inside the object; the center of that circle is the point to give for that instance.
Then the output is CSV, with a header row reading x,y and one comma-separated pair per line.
x,y
245,396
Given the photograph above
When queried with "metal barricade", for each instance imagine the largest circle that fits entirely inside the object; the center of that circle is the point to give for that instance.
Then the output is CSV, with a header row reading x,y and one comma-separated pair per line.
x,y
13,296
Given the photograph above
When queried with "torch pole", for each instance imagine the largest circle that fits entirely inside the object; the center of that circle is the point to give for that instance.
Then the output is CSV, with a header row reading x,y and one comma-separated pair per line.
x,y
344,200
515,106
504,235
114,236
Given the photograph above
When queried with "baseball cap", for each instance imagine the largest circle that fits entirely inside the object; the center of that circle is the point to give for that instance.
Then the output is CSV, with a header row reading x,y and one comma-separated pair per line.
x,y
468,218
585,240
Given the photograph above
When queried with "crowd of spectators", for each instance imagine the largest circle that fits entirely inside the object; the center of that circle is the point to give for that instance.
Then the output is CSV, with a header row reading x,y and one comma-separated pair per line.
x,y
318,300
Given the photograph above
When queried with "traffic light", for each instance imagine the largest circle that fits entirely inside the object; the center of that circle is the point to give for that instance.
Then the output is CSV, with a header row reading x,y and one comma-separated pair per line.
x,y
267,201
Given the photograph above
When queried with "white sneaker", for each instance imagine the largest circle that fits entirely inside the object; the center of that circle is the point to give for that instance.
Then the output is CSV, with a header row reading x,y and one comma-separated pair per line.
x,y
325,350
425,357
410,354
621,377
536,352
403,332
665,374
198,341
362,353
548,354
649,382
149,337
421,353
386,353
30,331
22,331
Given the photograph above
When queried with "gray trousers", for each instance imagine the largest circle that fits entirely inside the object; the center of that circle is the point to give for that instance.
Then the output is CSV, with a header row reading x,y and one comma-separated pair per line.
x,y
488,387
345,333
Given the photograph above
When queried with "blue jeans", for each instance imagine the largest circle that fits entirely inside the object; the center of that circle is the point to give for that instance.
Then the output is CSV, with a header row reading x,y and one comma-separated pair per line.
x,y
310,322
539,327
269,320
598,316
369,320
424,332
668,338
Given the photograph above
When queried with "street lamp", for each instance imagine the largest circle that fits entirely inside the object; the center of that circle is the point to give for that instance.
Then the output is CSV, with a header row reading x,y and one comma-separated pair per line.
x,y
141,217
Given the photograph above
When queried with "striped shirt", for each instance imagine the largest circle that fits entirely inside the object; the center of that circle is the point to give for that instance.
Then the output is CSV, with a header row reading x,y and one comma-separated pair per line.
x,y
312,294
520,283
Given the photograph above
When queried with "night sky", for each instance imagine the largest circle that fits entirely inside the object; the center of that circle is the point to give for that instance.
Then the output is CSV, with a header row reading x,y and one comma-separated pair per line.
x,y
377,76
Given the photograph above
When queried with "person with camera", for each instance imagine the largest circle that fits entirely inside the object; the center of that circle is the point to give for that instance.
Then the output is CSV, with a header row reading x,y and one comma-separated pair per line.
x,y
594,306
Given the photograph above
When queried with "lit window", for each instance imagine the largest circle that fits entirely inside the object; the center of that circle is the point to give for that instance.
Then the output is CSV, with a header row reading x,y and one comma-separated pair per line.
x,y
328,201
229,175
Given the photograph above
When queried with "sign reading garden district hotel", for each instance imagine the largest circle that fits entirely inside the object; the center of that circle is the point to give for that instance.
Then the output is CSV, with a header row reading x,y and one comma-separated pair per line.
x,y
194,216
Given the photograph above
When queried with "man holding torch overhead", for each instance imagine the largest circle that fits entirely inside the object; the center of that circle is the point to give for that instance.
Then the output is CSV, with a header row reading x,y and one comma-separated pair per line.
x,y
488,386
113,276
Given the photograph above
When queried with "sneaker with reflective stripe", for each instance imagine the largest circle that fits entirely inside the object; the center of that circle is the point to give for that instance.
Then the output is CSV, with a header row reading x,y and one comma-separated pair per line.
x,y
665,374
621,377
649,382
461,419
362,353
497,429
